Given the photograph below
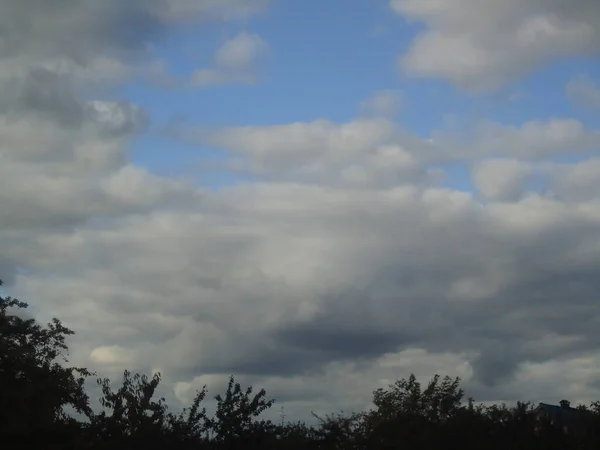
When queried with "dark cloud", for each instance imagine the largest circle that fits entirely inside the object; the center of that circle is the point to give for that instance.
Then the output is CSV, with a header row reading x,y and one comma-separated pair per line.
x,y
282,360
77,29
49,94
335,343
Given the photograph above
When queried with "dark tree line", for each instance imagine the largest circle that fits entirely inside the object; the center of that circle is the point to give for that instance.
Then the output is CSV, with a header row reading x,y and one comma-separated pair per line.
x,y
43,404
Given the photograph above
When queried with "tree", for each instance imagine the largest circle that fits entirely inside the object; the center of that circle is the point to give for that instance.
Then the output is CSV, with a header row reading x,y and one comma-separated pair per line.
x,y
134,415
35,388
437,402
341,431
407,416
192,424
236,415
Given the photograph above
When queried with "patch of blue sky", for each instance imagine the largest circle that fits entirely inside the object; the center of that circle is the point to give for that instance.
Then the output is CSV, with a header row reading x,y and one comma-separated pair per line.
x,y
325,59
542,95
457,176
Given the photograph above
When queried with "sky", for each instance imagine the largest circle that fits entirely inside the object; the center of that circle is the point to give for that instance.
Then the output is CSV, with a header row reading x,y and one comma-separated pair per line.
x,y
317,197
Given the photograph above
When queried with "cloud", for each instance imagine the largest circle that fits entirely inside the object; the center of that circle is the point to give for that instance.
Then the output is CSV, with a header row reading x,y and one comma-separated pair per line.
x,y
376,152
537,139
342,266
383,103
302,141
482,45
234,62
367,152
112,356
63,150
576,182
583,90
100,42
300,277
354,274
242,51
501,179
292,285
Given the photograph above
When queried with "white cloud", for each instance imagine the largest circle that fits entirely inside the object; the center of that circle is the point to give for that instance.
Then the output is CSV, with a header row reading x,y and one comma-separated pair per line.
x,y
531,140
113,356
236,61
301,141
361,153
501,179
383,103
363,149
241,52
118,117
583,90
482,45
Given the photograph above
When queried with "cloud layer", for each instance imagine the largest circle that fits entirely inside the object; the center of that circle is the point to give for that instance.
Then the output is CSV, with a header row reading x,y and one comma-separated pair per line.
x,y
347,262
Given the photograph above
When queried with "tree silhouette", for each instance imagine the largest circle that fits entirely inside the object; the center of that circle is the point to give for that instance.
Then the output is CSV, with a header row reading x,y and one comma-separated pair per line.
x,y
36,389
130,414
192,424
236,418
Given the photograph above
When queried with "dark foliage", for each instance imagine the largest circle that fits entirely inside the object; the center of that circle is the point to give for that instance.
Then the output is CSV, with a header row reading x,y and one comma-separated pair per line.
x,y
43,404
35,388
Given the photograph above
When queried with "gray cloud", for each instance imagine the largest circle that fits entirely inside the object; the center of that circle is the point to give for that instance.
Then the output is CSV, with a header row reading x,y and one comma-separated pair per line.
x,y
44,93
580,181
83,29
470,280
501,179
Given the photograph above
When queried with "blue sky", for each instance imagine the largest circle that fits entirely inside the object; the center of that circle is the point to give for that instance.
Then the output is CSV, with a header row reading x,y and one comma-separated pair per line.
x,y
324,59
